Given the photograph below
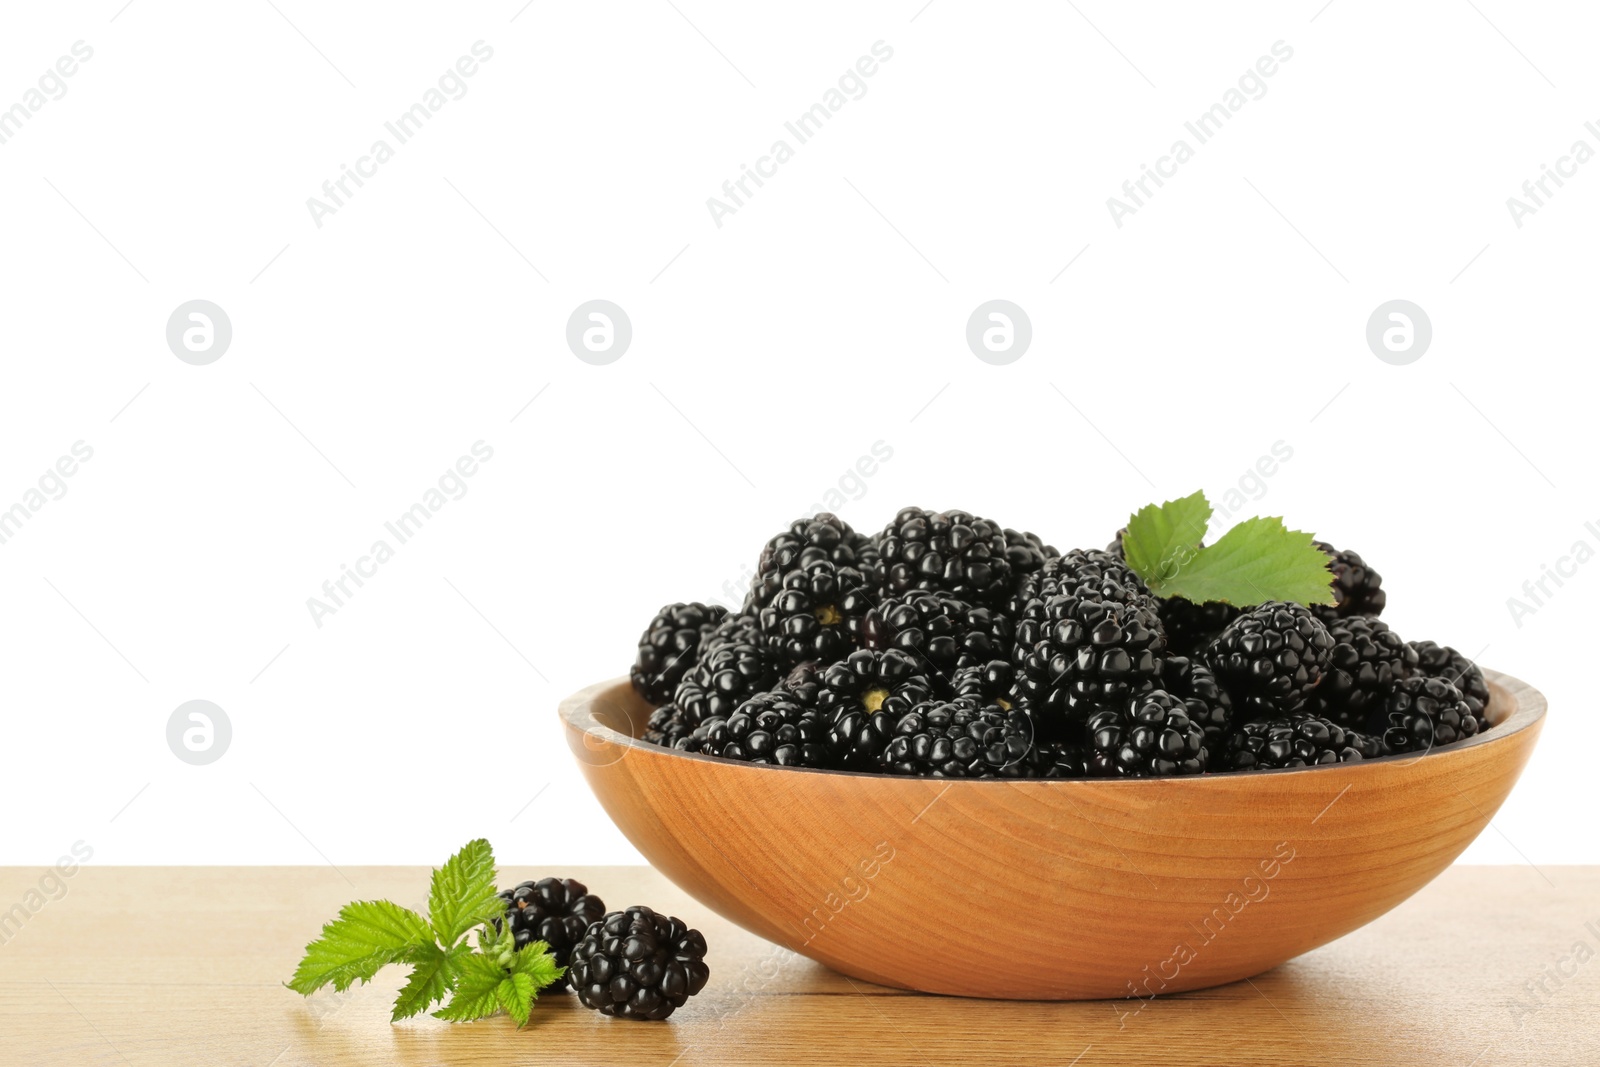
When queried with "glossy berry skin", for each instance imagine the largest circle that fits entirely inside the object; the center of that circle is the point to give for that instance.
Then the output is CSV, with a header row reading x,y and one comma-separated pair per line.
x,y
1027,552
1442,661
1422,713
994,682
1190,627
957,739
773,728
1208,704
556,911
1295,741
862,697
735,664
815,613
1368,659
821,537
1271,658
949,551
1150,736
945,633
1357,588
1087,654
670,647
667,726
1083,572
638,964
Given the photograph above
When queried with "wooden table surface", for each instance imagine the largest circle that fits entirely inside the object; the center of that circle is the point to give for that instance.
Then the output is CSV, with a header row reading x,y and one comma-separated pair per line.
x,y
169,966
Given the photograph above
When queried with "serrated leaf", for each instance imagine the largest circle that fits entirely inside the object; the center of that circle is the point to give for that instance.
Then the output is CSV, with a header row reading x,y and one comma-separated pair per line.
x,y
463,893
476,993
1161,536
537,962
1256,561
432,978
367,935
516,994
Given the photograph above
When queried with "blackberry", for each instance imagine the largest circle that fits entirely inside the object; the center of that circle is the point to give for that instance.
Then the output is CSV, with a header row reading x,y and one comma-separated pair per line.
x,y
1192,682
1296,741
1081,571
1357,588
638,964
1271,658
1422,713
1442,661
1060,760
1190,627
556,911
815,612
862,697
1150,736
822,537
1368,659
667,726
949,551
1027,552
1086,654
994,682
956,739
670,647
735,664
945,633
770,728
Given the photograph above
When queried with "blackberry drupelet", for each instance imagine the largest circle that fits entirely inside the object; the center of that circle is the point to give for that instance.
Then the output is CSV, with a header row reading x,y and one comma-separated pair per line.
x,y
816,612
1082,571
1421,714
1150,736
667,726
1191,681
1368,659
1027,552
944,633
863,696
1357,588
1442,661
670,647
1190,627
822,537
638,964
770,728
1295,741
556,911
956,739
949,551
1085,654
1059,760
735,663
994,682
1271,658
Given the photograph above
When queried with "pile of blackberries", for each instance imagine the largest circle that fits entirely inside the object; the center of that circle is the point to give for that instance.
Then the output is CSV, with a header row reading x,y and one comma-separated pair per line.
x,y
950,646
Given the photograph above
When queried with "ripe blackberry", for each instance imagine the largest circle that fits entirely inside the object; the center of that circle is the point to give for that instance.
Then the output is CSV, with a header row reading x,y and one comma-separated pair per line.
x,y
1357,588
1082,571
822,537
638,964
949,551
667,726
1086,654
1190,627
770,728
670,647
955,739
1296,741
735,664
1271,658
863,696
1192,682
815,612
1442,661
1060,760
1368,659
1421,714
1027,552
1150,736
944,633
556,911
994,682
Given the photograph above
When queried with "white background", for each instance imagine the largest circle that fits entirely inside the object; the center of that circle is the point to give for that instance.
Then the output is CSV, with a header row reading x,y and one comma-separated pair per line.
x,y
769,354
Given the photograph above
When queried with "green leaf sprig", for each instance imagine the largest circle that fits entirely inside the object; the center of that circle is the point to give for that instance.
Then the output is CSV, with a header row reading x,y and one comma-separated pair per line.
x,y
1258,560
369,935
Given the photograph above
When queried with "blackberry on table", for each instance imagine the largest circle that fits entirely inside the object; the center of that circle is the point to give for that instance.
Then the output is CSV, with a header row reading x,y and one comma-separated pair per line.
x,y
1271,658
1357,588
735,664
945,633
956,739
1191,681
1150,736
638,964
823,537
1442,661
863,696
670,647
950,551
1421,714
1368,659
556,911
1085,654
772,728
815,612
1295,741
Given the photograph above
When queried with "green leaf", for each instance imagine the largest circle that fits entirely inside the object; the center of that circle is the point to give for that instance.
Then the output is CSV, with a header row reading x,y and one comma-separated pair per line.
x,y
516,994
1161,537
432,978
1256,561
463,893
537,962
367,935
477,991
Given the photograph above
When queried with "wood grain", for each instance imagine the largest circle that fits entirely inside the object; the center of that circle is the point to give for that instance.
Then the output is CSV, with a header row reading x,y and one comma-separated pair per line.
x,y
157,967
1070,889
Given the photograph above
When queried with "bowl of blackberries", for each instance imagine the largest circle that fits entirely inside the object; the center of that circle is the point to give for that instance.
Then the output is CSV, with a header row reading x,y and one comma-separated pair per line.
x,y
946,756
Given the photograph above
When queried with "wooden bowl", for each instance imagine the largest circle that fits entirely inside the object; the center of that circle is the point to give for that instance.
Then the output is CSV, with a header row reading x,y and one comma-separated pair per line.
x,y
1048,890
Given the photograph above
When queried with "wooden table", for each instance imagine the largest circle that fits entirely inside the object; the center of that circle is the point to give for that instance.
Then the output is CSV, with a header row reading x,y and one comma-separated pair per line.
x,y
168,966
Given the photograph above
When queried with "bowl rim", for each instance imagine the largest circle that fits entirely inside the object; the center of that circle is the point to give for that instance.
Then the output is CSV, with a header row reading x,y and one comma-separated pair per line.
x,y
1527,708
